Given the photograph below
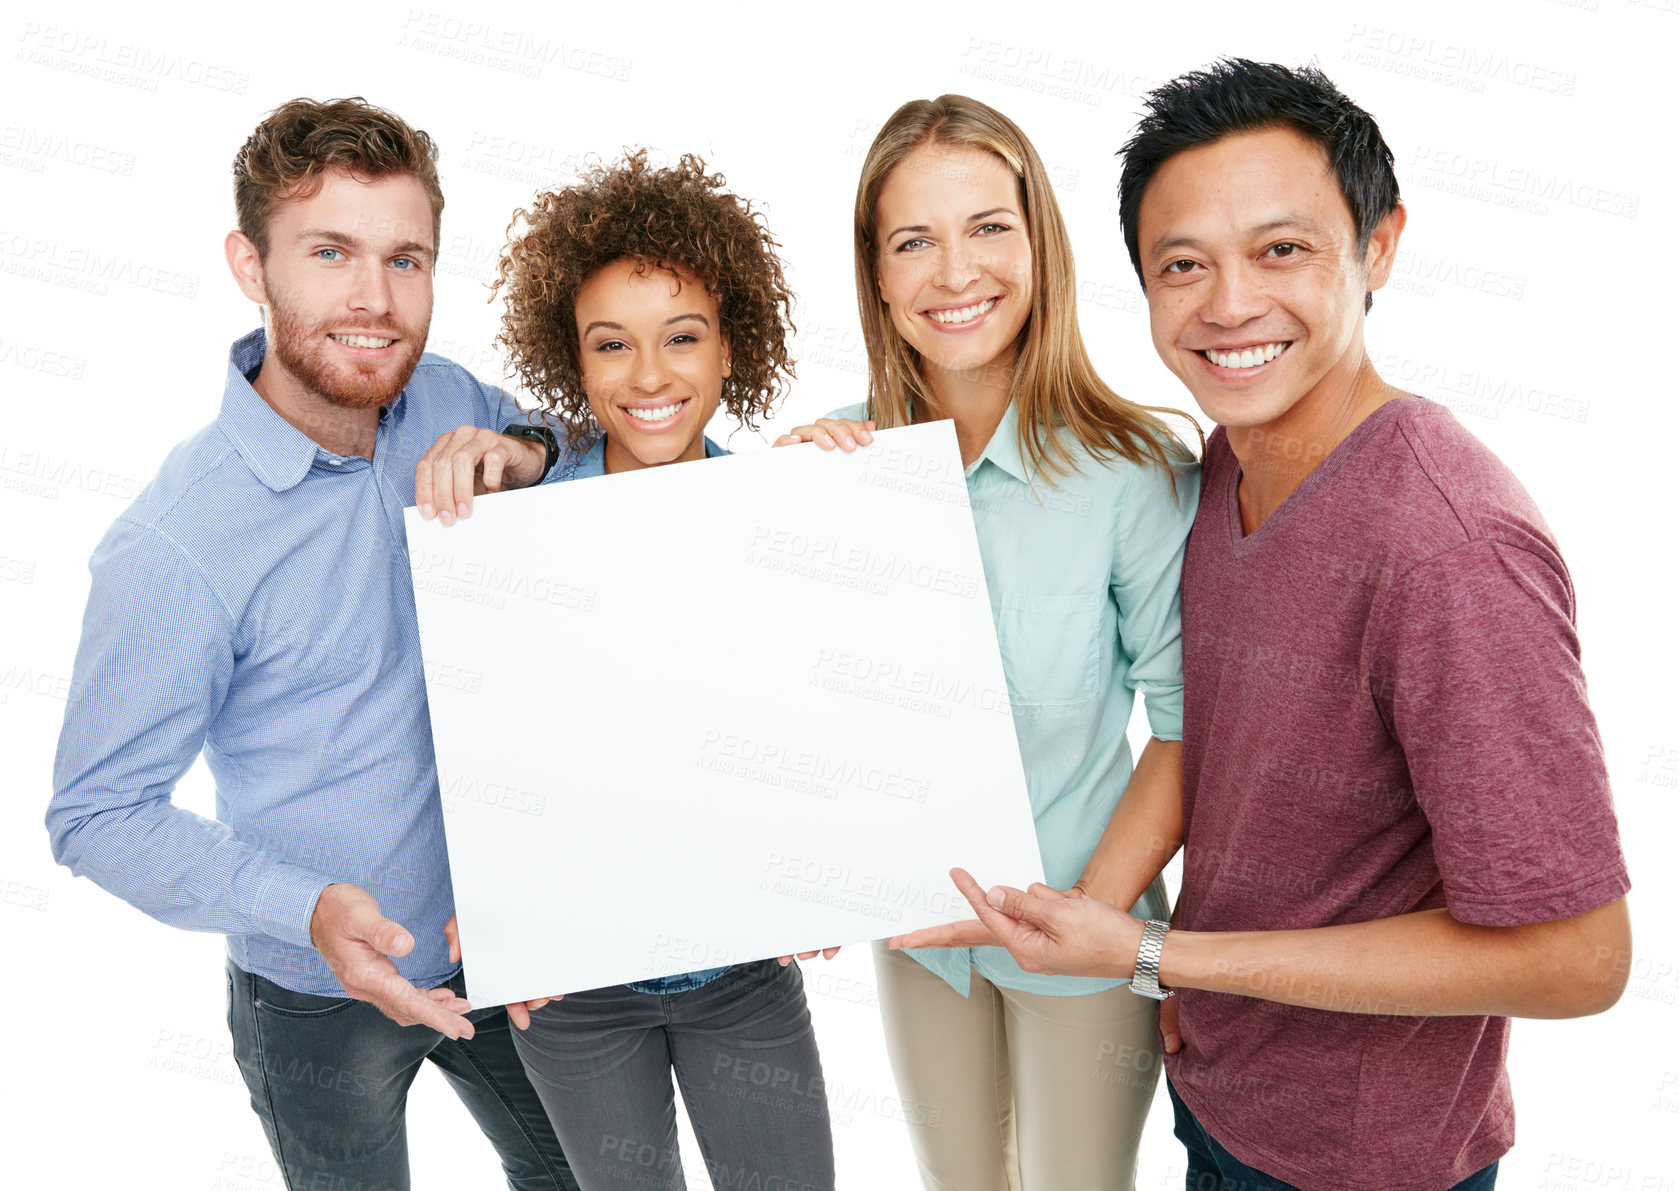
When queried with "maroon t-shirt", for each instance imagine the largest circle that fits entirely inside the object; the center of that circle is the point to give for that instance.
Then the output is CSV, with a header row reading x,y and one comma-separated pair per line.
x,y
1383,712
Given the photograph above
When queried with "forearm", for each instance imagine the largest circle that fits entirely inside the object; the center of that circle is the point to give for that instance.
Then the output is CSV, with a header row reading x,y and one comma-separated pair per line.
x,y
1421,964
185,870
528,464
151,673
1145,830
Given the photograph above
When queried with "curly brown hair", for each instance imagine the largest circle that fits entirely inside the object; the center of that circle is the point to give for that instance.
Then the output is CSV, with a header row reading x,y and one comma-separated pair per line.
x,y
302,139
677,218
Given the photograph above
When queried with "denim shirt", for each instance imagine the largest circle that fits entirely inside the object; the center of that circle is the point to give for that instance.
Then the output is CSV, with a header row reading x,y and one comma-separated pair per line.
x,y
583,465
1082,569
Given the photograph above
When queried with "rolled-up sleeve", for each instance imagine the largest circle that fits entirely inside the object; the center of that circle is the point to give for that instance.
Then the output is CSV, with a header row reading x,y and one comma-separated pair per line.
x,y
1154,524
151,672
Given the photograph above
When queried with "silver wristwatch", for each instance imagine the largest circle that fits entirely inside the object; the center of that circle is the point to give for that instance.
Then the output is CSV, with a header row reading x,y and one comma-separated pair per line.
x,y
1145,981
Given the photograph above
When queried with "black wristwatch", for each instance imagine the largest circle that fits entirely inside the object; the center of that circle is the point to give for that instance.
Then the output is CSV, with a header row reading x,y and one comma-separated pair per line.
x,y
539,434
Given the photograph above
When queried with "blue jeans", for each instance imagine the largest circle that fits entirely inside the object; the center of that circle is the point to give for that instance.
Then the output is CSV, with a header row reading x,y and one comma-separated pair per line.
x,y
1214,1168
329,1078
742,1049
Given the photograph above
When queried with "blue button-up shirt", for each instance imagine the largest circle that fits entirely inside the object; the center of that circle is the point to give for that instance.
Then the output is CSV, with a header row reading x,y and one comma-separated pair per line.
x,y
583,465
1083,576
255,603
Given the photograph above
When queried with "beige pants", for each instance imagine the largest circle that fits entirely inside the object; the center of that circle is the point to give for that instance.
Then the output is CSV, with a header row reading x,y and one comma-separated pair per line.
x,y
1014,1091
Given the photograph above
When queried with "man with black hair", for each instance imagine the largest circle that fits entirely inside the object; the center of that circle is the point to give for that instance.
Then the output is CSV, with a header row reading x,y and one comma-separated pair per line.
x,y
1395,814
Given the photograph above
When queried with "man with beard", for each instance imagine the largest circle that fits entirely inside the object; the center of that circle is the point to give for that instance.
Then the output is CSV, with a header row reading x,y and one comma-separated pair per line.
x,y
255,603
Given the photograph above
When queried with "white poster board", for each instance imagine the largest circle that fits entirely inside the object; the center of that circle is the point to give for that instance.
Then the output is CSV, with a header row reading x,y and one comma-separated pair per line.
x,y
624,800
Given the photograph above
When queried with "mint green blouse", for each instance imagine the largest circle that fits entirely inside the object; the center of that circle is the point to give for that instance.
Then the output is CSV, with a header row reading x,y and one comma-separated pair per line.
x,y
1083,577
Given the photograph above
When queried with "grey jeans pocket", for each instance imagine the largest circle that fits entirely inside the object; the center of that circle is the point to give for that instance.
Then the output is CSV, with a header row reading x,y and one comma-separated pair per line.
x,y
275,998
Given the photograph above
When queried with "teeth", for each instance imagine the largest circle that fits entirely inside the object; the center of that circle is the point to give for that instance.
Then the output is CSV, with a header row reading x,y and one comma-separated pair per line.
x,y
654,415
965,315
362,341
1248,357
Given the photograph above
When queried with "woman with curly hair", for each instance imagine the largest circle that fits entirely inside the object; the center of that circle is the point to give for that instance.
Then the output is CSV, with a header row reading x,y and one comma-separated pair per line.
x,y
638,301
1082,502
632,233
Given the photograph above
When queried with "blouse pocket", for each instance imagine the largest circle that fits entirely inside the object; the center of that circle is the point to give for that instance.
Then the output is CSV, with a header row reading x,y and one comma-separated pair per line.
x,y
1051,646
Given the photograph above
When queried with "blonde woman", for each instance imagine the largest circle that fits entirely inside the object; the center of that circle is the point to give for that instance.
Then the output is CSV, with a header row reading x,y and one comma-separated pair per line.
x,y
1082,502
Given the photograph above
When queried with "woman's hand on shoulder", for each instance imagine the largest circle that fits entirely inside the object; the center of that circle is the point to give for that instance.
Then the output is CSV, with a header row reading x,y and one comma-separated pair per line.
x,y
827,433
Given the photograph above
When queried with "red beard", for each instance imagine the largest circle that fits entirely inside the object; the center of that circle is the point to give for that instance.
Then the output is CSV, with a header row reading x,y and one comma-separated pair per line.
x,y
303,352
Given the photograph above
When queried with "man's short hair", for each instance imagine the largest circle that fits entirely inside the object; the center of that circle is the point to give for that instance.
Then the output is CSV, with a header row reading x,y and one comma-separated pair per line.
x,y
1238,95
300,140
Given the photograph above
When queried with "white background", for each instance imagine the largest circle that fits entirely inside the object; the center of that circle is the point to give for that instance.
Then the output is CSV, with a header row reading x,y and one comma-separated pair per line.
x,y
1534,295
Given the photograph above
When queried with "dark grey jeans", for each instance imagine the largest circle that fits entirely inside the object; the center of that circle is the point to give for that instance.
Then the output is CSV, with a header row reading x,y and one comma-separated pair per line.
x,y
329,1078
742,1050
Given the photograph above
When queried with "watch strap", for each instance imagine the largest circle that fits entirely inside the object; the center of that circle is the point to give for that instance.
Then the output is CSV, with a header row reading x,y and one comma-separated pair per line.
x,y
538,434
1145,980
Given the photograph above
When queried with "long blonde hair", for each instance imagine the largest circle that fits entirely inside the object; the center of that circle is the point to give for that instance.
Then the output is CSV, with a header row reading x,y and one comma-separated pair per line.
x,y
1054,383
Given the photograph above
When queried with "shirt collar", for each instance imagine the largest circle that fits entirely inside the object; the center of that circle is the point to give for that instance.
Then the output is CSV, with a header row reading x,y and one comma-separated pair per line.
x,y
592,462
279,453
1004,449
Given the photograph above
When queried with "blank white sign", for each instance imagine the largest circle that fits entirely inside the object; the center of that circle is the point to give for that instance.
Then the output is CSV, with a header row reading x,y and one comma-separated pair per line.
x,y
623,800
